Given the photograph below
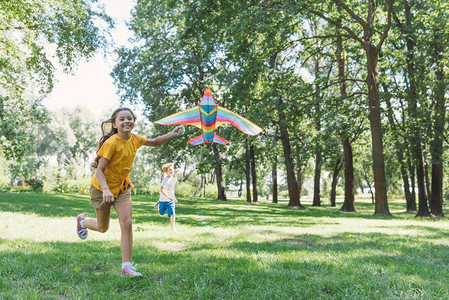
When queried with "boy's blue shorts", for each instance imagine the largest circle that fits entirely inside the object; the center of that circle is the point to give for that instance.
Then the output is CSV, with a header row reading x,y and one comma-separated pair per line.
x,y
167,207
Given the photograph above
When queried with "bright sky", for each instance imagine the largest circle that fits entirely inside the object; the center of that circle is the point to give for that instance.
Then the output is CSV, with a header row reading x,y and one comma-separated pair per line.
x,y
92,86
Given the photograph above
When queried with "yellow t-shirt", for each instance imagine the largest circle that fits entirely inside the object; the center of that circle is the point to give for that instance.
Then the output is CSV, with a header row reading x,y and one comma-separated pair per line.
x,y
120,154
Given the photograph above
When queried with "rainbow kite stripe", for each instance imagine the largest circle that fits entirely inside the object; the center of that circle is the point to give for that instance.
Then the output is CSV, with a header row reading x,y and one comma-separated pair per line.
x,y
226,116
208,116
189,116
208,123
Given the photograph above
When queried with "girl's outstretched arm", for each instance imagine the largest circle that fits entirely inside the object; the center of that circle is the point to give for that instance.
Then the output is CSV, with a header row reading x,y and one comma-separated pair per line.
x,y
163,138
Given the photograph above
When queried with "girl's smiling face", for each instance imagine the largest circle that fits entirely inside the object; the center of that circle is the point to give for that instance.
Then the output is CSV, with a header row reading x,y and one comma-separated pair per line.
x,y
124,122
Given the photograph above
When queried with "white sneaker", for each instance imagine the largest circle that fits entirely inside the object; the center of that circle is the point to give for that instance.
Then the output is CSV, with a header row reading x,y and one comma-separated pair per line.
x,y
81,230
130,271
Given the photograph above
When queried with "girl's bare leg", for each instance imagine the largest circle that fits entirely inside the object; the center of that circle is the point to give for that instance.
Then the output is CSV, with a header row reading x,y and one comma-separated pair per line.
x,y
124,213
101,223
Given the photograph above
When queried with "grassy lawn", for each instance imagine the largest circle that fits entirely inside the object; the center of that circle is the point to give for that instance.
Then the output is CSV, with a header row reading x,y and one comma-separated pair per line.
x,y
222,250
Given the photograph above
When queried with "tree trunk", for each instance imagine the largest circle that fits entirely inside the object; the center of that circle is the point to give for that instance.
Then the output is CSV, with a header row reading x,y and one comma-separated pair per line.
x,y
423,208
415,132
372,80
349,202
337,169
239,192
203,184
317,177
399,149
274,176
380,183
247,172
253,173
299,172
368,182
427,178
412,95
436,146
409,200
219,174
291,180
285,139
412,172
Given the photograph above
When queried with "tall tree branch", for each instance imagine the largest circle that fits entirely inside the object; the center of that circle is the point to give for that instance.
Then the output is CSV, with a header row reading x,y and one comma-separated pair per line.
x,y
339,25
387,28
398,23
350,12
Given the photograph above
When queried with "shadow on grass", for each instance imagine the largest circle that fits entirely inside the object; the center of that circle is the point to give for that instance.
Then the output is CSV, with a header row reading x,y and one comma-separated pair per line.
x,y
198,212
43,204
371,265
205,212
209,265
350,242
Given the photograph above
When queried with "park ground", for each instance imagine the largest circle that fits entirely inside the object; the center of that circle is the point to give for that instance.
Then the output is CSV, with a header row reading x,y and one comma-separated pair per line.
x,y
222,250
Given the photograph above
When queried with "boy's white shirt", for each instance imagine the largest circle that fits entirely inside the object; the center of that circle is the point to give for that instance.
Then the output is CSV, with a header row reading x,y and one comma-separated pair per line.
x,y
168,184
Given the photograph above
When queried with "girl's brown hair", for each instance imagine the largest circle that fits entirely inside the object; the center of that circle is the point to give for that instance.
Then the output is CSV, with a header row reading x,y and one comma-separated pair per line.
x,y
104,130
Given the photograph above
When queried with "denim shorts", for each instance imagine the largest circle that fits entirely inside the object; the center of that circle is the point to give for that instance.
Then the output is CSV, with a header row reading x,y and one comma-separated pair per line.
x,y
168,206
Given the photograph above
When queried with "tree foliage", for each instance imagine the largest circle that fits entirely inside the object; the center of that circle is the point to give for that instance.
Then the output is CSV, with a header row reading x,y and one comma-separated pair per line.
x,y
36,38
326,80
33,33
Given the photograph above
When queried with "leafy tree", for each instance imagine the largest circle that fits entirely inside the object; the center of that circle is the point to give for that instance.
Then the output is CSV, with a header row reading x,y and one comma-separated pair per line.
x,y
439,53
406,23
415,115
171,66
70,133
364,31
32,34
16,128
257,45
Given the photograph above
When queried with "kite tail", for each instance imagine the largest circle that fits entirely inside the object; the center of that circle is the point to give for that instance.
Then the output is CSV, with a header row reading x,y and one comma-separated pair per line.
x,y
220,140
199,140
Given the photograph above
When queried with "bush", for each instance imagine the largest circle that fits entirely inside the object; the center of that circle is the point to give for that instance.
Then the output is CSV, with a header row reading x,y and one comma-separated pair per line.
x,y
284,194
151,190
211,190
37,185
154,189
4,180
61,187
75,186
446,195
184,189
5,188
15,189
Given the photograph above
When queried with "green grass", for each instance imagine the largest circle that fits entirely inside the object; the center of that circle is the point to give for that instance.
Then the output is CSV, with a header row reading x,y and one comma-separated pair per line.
x,y
222,250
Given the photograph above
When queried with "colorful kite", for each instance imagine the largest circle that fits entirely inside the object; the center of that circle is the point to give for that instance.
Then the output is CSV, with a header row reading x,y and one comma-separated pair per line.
x,y
208,116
